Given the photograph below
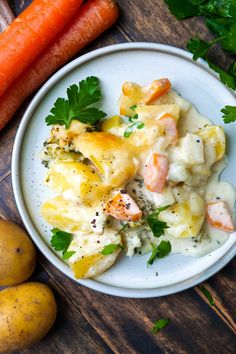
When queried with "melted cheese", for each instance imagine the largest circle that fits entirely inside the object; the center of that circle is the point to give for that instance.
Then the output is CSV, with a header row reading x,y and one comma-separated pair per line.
x,y
106,162
112,157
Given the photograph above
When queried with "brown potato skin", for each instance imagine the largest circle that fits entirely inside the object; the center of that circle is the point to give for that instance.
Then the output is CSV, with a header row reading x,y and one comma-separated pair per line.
x,y
27,312
17,254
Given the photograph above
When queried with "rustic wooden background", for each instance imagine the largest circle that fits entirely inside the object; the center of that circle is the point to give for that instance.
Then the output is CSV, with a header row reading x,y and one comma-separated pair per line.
x,y
90,322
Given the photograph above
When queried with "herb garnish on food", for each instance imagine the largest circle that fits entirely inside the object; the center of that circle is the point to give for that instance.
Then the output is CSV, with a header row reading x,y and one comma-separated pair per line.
x,y
221,21
136,124
132,127
78,104
160,324
207,295
229,114
60,241
157,226
111,248
160,251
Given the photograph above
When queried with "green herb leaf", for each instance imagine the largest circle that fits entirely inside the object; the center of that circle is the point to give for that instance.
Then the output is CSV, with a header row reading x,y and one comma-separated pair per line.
x,y
197,2
131,128
134,118
207,295
229,114
157,226
67,254
77,105
225,28
222,8
198,47
124,227
227,78
158,325
60,239
109,249
183,8
162,250
188,8
133,107
232,69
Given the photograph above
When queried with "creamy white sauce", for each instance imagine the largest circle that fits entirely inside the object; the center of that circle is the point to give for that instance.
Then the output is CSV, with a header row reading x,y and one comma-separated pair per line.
x,y
209,238
195,177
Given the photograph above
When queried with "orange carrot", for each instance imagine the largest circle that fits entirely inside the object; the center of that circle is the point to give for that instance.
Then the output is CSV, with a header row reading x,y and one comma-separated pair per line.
x,y
30,33
93,19
123,207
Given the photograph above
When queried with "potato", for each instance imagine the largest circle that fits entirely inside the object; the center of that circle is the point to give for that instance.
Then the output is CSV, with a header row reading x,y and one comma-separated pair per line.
x,y
17,254
27,312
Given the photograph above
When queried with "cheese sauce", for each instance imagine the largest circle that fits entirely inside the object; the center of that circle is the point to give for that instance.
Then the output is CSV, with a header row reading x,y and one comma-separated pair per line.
x,y
209,238
110,177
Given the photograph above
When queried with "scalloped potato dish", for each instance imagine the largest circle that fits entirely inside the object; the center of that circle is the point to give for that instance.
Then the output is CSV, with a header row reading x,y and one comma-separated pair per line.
x,y
144,180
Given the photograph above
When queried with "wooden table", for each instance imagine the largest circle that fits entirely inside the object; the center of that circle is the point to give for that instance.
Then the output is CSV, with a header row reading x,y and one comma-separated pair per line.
x,y
90,322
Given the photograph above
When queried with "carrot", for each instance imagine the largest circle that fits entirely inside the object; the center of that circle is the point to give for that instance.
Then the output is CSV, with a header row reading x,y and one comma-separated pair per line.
x,y
93,19
30,33
123,207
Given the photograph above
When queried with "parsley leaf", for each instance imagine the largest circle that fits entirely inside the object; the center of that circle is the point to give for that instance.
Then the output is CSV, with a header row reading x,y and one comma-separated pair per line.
x,y
188,8
226,28
232,69
198,47
60,241
111,248
197,2
133,107
67,254
77,105
226,77
207,295
158,325
157,226
160,251
132,127
183,8
223,8
229,114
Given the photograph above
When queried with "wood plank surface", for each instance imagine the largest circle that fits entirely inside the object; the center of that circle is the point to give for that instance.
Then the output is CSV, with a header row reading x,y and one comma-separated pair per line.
x,y
91,322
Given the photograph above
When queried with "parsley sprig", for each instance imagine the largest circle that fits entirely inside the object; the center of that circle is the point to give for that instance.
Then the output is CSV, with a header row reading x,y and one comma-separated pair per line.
x,y
221,21
160,251
136,124
111,248
60,241
160,324
207,294
78,104
229,114
157,226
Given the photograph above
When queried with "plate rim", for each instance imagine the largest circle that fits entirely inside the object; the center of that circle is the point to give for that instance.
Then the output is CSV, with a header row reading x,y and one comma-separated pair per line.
x,y
19,197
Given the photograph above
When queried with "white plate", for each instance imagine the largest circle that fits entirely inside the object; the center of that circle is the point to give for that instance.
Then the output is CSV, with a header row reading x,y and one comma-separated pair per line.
x,y
142,63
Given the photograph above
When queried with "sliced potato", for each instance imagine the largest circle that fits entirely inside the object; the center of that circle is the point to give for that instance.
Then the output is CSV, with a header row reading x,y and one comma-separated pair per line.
x,y
88,261
111,123
72,217
112,157
155,112
185,219
77,177
134,94
214,139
